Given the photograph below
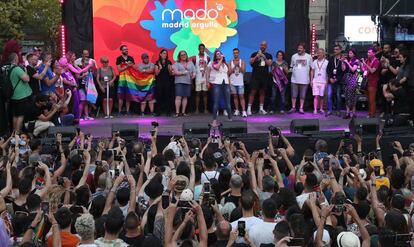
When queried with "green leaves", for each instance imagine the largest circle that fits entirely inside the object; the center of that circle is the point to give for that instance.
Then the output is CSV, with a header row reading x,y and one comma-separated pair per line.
x,y
40,18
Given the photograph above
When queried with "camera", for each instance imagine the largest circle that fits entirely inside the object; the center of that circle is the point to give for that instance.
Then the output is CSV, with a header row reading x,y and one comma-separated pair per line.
x,y
154,124
60,181
274,131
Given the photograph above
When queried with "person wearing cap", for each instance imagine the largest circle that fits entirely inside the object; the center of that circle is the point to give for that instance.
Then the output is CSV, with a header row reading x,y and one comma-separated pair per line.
x,y
147,68
64,219
381,179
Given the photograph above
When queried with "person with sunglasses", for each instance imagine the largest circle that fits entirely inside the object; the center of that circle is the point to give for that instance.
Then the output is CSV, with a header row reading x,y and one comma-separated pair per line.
x,y
106,78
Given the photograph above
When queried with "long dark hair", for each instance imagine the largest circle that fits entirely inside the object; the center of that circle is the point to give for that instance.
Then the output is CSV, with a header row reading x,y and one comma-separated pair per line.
x,y
160,59
355,54
215,57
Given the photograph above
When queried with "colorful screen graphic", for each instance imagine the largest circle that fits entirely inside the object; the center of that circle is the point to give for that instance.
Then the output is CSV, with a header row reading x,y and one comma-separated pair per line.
x,y
151,25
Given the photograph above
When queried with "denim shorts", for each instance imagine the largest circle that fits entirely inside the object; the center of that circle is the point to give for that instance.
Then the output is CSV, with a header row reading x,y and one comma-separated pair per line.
x,y
183,90
237,90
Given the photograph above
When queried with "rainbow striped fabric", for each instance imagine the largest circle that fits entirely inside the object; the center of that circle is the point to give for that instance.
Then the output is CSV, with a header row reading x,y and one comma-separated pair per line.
x,y
136,86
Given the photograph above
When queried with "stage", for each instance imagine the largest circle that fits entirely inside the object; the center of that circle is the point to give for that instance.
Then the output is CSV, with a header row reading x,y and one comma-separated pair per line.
x,y
173,126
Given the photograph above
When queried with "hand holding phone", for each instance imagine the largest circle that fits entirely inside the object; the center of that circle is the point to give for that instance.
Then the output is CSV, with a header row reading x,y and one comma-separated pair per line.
x,y
241,227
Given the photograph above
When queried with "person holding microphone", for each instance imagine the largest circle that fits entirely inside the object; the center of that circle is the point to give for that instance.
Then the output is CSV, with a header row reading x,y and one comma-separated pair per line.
x,y
217,75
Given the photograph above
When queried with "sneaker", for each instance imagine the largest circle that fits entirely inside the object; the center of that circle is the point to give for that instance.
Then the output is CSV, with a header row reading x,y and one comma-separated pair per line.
x,y
271,112
225,113
315,112
249,112
110,116
301,111
106,117
292,110
282,112
89,118
322,111
236,113
262,112
328,113
244,114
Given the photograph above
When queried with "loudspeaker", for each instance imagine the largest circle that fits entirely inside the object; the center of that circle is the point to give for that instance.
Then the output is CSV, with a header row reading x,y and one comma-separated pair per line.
x,y
298,126
128,132
193,128
68,133
231,129
364,126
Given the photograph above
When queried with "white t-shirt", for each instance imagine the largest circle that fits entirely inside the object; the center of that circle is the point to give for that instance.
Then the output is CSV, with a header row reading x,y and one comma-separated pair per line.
x,y
262,233
319,68
207,175
250,222
220,75
300,68
201,65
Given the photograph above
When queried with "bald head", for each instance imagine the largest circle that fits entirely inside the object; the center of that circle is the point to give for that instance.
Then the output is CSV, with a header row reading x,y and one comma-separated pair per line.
x,y
223,230
263,46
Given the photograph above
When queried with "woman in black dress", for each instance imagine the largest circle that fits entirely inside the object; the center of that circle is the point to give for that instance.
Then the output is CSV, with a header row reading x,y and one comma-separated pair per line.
x,y
164,87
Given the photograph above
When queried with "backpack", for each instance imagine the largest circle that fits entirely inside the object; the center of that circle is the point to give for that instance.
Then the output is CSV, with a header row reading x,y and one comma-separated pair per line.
x,y
6,86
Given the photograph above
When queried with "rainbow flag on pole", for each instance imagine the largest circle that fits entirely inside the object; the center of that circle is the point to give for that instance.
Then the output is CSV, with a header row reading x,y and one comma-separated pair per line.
x,y
136,86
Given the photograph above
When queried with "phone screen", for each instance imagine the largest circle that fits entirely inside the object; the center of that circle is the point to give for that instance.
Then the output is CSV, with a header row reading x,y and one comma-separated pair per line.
x,y
116,172
45,207
241,227
206,187
165,201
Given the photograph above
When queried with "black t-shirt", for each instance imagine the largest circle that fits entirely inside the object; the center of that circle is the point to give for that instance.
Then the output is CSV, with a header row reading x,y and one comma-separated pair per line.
x,y
332,61
233,199
400,101
32,113
258,70
267,245
136,241
389,75
212,239
221,243
122,60
34,83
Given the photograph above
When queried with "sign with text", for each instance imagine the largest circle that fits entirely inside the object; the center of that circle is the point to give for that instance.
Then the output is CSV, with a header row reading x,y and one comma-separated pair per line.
x,y
360,29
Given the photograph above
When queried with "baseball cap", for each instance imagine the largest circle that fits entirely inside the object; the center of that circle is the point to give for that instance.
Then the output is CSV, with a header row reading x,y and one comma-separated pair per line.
x,y
377,162
186,195
348,239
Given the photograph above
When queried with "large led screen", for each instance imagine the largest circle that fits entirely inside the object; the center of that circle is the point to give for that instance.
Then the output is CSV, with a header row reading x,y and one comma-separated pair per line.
x,y
151,25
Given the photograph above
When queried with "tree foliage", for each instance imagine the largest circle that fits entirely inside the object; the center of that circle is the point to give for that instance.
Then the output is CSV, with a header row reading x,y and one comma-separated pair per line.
x,y
41,17
12,19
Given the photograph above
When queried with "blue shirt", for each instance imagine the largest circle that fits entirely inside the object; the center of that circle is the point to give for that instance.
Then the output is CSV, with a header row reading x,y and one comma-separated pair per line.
x,y
44,88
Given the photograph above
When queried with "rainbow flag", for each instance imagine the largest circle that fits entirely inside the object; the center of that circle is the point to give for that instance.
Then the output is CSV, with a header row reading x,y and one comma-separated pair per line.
x,y
136,86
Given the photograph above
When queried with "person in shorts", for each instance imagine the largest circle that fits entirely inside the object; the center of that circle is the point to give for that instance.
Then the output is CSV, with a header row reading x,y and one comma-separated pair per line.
x,y
301,63
200,62
319,80
237,68
260,62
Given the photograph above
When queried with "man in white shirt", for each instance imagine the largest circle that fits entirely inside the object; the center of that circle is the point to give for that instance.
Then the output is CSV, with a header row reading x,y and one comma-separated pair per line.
x,y
262,233
237,68
248,201
319,80
85,56
301,63
201,61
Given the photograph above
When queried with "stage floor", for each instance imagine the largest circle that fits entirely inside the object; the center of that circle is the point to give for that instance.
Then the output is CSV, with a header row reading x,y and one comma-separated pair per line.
x,y
173,126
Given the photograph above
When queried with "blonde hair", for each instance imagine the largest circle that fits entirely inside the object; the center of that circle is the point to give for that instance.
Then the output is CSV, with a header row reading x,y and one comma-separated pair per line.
x,y
85,226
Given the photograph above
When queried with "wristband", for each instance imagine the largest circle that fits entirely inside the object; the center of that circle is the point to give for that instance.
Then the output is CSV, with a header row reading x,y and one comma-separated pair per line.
x,y
373,184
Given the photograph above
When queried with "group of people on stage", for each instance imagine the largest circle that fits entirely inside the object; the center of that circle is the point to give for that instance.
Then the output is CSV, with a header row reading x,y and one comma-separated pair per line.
x,y
75,85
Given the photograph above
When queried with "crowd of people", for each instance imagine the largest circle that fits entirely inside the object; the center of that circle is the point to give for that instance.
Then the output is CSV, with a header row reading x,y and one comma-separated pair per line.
x,y
75,87
107,192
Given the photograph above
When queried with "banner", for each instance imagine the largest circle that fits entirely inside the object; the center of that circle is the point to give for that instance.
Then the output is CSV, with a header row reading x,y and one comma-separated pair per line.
x,y
151,25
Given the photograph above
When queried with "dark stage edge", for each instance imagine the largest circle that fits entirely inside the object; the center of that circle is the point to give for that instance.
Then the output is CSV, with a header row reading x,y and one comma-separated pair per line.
x,y
173,126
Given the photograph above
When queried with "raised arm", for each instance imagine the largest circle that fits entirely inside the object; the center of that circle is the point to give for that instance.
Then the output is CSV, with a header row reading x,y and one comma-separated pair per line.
x,y
111,194
87,158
